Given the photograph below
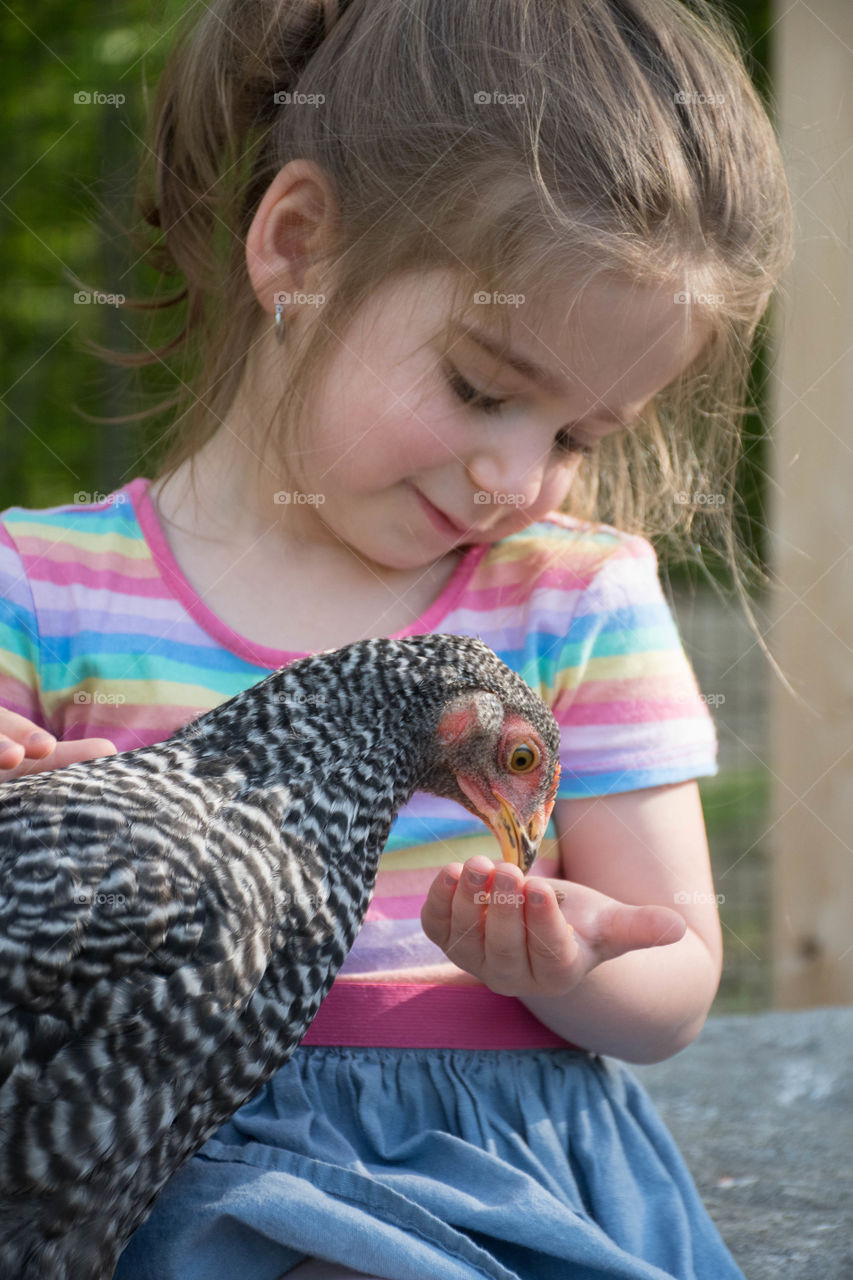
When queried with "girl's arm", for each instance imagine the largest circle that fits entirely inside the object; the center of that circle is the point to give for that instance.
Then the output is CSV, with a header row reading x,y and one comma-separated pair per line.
x,y
641,847
635,971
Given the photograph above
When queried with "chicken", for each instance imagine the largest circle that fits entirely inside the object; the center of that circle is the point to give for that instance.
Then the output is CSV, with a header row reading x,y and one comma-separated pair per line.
x,y
172,917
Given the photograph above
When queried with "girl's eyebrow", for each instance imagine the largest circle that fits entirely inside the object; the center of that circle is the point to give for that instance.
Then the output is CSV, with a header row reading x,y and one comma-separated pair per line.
x,y
526,367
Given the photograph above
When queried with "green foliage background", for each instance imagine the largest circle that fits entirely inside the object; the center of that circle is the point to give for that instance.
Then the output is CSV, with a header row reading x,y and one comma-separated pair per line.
x,y
62,162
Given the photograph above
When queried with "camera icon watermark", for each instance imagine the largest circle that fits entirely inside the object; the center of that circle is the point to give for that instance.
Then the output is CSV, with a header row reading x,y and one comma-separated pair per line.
x,y
685,297
286,497
483,498
91,898
690,98
312,901
83,698
84,298
503,897
484,298
284,299
683,899
301,699
114,499
87,98
284,98
700,499
483,98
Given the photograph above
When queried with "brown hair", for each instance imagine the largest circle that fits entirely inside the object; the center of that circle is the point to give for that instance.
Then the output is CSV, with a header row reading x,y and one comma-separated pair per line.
x,y
620,137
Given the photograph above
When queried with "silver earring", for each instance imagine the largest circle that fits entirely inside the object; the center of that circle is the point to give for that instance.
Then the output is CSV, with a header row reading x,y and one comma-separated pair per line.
x,y
279,322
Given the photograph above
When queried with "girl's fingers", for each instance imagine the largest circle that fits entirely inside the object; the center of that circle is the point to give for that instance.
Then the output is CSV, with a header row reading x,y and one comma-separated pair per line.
x,y
504,933
15,726
436,911
63,753
20,739
38,745
629,928
552,945
11,754
465,944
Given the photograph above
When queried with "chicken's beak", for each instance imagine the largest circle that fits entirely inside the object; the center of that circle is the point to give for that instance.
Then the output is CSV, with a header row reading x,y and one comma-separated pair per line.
x,y
518,843
542,816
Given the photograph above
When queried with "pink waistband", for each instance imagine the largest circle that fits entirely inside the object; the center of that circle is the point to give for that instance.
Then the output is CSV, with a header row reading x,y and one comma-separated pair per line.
x,y
414,1015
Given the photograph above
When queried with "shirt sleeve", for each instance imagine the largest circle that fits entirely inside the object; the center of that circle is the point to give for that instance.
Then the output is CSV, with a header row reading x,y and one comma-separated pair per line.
x,y
19,637
622,688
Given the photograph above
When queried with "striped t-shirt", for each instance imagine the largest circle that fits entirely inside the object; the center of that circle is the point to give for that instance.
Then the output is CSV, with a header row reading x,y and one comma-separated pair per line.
x,y
101,635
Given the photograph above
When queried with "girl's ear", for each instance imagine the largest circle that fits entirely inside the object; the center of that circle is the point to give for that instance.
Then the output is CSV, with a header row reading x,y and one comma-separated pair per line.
x,y
296,219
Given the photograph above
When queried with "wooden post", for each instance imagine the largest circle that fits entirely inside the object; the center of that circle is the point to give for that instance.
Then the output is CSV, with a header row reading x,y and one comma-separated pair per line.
x,y
811,635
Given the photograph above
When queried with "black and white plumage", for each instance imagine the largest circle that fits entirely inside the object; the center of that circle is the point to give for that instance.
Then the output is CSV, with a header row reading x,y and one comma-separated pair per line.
x,y
172,917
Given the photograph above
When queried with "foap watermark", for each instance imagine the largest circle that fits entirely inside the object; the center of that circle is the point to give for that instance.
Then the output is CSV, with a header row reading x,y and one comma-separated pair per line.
x,y
285,497
685,297
710,699
300,699
113,499
485,99
299,299
312,901
683,899
483,298
85,298
91,898
700,499
503,897
83,698
284,98
92,98
690,98
482,498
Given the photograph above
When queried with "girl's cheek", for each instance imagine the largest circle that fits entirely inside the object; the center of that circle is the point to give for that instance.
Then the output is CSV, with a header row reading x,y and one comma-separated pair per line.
x,y
433,439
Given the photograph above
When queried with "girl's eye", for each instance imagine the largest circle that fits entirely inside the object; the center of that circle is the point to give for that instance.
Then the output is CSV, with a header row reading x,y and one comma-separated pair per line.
x,y
564,443
470,396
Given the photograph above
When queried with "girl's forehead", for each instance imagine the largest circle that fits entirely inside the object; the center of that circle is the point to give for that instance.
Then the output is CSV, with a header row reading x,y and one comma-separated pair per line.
x,y
622,341
609,324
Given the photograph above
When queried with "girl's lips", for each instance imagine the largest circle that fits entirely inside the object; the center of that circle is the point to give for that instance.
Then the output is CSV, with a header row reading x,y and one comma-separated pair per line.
x,y
439,520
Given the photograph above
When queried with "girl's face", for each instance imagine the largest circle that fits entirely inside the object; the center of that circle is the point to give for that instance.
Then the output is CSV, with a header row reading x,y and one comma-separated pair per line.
x,y
403,463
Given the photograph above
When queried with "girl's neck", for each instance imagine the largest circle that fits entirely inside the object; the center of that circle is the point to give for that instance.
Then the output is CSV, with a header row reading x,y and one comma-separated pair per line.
x,y
268,583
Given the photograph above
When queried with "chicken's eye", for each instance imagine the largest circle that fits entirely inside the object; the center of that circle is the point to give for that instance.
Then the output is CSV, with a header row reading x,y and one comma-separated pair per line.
x,y
523,758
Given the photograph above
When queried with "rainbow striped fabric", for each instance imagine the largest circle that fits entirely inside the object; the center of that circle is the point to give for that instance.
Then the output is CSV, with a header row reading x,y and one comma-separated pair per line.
x,y
102,635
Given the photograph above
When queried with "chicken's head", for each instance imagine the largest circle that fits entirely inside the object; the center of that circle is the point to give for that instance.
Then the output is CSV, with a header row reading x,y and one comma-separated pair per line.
x,y
506,769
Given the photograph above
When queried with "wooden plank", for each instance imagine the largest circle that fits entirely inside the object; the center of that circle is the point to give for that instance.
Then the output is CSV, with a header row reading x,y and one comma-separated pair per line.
x,y
812,525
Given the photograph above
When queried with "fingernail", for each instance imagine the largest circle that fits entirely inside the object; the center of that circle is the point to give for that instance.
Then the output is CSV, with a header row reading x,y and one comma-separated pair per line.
x,y
504,882
478,877
450,880
536,896
39,739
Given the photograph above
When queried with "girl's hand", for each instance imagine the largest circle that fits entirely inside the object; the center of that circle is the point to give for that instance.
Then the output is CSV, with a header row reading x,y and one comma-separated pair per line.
x,y
25,748
498,931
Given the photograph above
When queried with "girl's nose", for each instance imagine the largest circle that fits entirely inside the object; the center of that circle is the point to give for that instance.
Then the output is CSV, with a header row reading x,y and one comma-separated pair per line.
x,y
510,476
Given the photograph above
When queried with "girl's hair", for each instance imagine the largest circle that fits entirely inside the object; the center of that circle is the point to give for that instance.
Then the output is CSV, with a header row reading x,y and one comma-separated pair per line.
x,y
520,142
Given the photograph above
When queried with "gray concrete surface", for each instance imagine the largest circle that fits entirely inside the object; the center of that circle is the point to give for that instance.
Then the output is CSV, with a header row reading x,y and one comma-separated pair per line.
x,y
761,1106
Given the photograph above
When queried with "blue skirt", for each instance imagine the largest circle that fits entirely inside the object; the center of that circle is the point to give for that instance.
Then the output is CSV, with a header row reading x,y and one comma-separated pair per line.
x,y
437,1164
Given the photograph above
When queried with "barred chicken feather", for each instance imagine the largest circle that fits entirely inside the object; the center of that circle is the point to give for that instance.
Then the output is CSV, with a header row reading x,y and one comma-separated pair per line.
x,y
172,917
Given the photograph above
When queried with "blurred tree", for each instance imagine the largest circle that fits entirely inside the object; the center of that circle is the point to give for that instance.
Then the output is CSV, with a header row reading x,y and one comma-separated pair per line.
x,y
68,154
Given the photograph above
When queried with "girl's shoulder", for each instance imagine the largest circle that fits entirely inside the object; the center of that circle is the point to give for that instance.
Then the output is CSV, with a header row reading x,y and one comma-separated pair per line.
x,y
563,549
78,529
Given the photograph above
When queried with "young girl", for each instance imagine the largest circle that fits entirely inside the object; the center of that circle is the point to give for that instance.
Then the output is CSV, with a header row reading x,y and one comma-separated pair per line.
x,y
460,280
